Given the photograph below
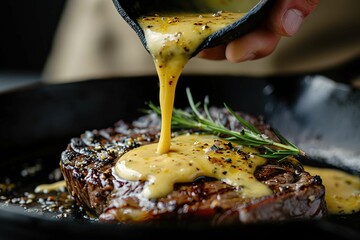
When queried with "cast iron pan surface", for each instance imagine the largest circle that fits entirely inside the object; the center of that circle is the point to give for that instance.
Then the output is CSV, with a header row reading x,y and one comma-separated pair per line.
x,y
37,122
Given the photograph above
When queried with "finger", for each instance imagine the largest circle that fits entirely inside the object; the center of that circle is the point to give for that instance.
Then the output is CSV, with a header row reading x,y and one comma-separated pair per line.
x,y
288,15
215,53
256,44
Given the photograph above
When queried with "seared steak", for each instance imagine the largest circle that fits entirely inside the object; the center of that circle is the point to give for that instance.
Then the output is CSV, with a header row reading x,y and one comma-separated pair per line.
x,y
87,166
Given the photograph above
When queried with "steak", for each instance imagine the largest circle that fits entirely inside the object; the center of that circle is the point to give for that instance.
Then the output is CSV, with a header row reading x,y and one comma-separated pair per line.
x,y
87,166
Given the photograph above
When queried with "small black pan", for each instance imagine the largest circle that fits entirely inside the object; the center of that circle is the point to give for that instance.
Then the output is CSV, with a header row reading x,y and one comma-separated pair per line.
x,y
256,11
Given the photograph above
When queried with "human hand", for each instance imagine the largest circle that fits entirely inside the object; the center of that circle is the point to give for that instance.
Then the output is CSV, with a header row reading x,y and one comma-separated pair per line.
x,y
284,20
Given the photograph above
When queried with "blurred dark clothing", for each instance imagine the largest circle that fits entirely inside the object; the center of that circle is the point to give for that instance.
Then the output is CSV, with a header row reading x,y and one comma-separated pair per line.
x,y
27,30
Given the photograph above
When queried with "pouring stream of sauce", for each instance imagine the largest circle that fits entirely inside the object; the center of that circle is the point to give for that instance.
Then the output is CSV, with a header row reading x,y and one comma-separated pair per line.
x,y
171,42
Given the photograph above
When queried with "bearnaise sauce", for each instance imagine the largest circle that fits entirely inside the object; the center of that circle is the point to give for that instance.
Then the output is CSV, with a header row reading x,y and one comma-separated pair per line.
x,y
342,190
189,157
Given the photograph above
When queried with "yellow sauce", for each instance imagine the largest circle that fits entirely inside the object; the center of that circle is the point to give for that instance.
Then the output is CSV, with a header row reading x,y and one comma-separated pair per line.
x,y
171,42
46,188
192,156
342,190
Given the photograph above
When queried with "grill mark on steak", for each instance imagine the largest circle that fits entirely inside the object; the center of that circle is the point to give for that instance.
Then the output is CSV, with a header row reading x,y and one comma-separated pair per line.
x,y
88,160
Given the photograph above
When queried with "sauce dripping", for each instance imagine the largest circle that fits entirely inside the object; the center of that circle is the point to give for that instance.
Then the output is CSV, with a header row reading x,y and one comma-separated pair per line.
x,y
171,42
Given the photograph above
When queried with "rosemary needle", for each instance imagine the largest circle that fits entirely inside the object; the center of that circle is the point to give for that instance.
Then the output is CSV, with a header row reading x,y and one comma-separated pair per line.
x,y
201,119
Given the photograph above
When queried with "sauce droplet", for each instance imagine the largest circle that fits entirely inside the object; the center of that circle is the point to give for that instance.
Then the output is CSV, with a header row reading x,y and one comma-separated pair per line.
x,y
342,190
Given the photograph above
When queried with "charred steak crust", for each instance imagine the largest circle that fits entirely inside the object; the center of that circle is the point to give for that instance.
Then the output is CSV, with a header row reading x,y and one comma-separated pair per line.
x,y
87,165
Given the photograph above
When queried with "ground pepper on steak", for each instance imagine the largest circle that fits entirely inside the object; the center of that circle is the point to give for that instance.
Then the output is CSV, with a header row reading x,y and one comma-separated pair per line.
x,y
87,165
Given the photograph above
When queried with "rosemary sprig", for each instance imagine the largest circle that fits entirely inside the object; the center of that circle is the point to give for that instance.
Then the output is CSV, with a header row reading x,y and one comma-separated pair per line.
x,y
248,136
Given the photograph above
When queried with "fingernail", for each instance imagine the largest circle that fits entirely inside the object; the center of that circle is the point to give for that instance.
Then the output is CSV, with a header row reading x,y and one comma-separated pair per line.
x,y
243,58
249,56
292,21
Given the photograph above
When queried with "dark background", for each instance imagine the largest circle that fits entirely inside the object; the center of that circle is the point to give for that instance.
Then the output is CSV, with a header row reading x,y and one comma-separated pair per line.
x,y
27,29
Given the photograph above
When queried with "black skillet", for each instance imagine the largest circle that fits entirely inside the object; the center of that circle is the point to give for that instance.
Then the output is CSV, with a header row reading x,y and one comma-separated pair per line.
x,y
36,123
